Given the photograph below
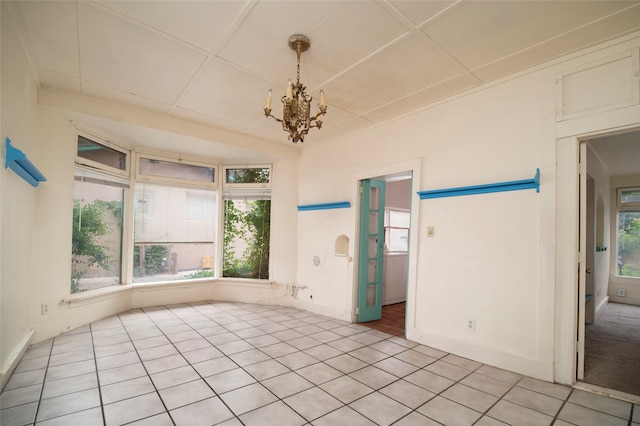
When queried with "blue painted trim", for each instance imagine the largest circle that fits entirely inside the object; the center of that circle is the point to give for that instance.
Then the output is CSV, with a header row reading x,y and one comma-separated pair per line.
x,y
19,163
484,189
325,206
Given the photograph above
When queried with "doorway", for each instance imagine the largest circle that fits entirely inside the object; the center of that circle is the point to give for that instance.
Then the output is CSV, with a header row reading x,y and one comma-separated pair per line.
x,y
383,261
608,325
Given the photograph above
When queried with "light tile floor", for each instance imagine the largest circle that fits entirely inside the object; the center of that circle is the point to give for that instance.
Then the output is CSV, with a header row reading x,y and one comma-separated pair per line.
x,y
241,364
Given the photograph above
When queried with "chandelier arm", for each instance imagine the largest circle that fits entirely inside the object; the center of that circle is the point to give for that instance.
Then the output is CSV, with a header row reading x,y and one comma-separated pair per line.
x,y
267,113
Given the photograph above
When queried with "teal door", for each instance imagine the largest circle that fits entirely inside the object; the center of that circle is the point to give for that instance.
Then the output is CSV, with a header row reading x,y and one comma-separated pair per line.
x,y
371,249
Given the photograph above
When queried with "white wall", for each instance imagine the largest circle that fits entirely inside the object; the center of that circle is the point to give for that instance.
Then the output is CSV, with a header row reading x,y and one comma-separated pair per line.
x,y
19,200
484,261
600,259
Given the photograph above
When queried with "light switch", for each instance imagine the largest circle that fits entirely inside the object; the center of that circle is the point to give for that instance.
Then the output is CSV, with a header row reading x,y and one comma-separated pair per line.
x,y
430,231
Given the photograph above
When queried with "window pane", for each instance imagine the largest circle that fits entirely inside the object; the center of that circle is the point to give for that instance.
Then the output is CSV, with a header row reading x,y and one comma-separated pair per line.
x,y
96,236
629,244
247,175
398,239
399,219
246,237
174,231
630,196
170,169
101,154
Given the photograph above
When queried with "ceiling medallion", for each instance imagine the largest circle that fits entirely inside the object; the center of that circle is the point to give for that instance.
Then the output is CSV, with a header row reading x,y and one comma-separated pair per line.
x,y
296,118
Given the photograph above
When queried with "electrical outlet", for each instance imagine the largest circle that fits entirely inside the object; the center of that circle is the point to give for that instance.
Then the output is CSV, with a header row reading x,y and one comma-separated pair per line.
x,y
44,309
471,324
622,292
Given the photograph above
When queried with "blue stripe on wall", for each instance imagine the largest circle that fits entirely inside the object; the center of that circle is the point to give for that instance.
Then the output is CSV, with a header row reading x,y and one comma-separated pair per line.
x,y
325,206
514,185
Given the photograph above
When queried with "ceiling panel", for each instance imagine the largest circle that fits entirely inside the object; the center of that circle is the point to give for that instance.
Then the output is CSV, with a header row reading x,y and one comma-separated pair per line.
x,y
481,32
223,91
53,33
341,35
119,54
423,97
420,12
208,21
398,71
615,25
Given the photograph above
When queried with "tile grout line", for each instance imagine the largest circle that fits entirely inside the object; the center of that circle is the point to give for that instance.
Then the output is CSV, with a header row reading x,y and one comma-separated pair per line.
x,y
145,369
44,380
95,362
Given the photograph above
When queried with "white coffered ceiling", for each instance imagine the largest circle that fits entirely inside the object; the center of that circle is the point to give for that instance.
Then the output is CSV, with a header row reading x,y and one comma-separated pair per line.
x,y
212,62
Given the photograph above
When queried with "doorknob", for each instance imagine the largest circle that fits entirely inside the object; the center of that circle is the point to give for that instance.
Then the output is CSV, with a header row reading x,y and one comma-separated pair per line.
x,y
588,270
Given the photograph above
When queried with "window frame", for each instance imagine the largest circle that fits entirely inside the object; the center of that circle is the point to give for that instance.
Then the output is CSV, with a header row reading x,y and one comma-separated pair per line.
x,y
627,206
126,173
187,183
264,185
84,174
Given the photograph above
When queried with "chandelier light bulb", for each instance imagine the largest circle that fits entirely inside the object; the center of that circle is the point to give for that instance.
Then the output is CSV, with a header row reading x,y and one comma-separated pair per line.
x,y
268,104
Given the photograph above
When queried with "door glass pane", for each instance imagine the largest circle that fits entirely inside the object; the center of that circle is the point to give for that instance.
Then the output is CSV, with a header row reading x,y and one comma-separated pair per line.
x,y
371,271
373,223
373,247
374,196
371,295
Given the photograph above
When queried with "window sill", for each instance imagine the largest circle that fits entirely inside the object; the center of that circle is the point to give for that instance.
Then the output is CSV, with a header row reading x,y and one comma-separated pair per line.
x,y
97,295
110,292
625,280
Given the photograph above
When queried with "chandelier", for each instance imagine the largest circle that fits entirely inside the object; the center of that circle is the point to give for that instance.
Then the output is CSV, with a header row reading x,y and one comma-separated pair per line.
x,y
296,118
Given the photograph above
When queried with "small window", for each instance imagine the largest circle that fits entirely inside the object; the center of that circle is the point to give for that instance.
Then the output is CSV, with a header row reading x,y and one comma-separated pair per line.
x,y
176,170
100,154
241,176
629,198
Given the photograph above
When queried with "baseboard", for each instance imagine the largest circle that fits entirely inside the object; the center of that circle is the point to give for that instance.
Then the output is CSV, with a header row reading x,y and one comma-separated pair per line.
x,y
15,357
600,308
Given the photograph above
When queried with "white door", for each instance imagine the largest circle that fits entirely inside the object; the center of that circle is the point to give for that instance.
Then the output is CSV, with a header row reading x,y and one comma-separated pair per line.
x,y
582,250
